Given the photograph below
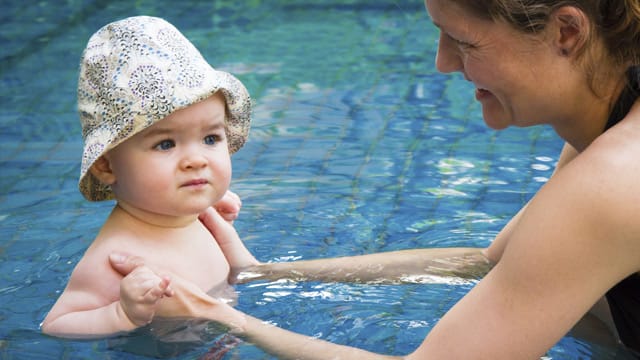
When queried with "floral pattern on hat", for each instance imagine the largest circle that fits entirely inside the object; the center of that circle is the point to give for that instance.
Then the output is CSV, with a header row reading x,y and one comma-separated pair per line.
x,y
135,72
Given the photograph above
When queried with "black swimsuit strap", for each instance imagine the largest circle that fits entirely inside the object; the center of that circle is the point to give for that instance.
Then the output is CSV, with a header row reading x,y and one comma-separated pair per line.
x,y
629,95
624,297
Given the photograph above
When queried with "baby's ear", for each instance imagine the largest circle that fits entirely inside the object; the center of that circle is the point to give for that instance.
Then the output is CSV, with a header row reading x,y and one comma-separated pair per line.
x,y
101,169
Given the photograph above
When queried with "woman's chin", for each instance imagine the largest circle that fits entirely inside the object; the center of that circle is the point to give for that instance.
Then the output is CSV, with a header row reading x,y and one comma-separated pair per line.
x,y
495,122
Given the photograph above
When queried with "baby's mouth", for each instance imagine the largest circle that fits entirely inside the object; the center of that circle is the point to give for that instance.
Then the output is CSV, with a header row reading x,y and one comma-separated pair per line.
x,y
196,182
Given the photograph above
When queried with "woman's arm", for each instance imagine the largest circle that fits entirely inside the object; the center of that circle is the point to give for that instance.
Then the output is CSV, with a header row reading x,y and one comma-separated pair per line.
x,y
285,344
566,251
415,265
237,255
495,250
419,265
189,300
576,239
402,266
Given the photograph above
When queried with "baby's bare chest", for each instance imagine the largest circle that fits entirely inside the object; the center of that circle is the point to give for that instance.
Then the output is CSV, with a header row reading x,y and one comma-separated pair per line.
x,y
199,260
192,254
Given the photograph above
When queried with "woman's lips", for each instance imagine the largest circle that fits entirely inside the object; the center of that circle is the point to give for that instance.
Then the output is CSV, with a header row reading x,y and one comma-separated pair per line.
x,y
482,94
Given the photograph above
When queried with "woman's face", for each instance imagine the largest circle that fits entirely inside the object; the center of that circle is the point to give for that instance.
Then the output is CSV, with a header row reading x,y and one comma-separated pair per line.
x,y
513,73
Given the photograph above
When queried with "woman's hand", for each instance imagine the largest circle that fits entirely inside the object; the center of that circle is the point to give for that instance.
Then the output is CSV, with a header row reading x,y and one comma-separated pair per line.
x,y
185,299
141,290
229,206
190,301
225,234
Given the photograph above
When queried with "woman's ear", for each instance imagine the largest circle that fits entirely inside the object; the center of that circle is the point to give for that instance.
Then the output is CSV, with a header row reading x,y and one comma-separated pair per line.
x,y
571,30
101,169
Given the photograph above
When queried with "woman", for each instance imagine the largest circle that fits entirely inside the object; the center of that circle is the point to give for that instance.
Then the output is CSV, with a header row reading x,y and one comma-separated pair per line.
x,y
569,64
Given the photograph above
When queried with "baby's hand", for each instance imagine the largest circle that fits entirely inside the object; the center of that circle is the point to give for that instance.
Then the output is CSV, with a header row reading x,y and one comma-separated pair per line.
x,y
187,301
140,293
229,206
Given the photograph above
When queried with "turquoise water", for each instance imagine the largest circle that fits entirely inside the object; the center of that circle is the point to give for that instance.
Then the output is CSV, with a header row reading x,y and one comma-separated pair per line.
x,y
357,146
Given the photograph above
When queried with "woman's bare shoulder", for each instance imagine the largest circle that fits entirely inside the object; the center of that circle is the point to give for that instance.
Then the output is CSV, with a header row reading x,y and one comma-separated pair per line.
x,y
585,218
574,241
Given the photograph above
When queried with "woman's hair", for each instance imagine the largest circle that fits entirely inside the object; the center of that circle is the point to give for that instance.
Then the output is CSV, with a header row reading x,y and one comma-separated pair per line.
x,y
616,22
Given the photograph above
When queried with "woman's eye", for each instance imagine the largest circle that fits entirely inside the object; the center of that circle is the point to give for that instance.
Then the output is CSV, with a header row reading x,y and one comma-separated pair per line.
x,y
462,44
210,139
165,145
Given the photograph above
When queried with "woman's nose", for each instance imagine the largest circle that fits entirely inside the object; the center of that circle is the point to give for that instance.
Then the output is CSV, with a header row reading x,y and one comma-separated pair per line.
x,y
448,57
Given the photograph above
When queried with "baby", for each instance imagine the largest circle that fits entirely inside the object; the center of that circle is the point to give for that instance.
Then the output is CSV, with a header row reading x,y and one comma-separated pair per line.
x,y
159,125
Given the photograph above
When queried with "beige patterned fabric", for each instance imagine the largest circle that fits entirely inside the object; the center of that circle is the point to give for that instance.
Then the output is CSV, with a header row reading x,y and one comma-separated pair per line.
x,y
133,73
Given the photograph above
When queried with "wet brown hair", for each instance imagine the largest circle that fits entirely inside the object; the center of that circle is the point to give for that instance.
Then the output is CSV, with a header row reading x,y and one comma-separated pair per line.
x,y
616,22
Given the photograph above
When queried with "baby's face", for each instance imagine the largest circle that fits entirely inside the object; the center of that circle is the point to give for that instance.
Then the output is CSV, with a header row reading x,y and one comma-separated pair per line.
x,y
179,165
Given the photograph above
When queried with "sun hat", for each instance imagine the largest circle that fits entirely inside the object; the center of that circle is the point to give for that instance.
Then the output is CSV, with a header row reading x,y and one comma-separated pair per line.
x,y
133,73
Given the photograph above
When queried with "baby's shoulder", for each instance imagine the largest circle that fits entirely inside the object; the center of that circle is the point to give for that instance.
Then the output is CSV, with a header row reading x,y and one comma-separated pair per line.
x,y
93,270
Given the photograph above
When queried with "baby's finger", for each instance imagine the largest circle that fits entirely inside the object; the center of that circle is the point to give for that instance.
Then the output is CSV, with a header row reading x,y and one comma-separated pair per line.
x,y
165,285
160,289
154,294
234,196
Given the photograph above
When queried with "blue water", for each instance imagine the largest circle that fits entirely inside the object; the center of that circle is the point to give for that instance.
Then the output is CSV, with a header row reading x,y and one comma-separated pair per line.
x,y
357,146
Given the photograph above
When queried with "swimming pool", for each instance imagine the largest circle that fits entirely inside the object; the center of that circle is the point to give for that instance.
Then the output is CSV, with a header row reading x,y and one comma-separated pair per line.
x,y
357,146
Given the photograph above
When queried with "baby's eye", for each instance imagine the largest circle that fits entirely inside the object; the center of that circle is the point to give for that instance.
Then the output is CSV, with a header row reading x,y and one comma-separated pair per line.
x,y
211,139
165,145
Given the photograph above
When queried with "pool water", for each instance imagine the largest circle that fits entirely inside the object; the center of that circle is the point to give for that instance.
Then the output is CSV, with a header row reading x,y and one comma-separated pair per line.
x,y
357,146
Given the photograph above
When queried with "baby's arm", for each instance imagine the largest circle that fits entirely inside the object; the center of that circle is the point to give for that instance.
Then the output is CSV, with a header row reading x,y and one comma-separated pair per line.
x,y
85,309
227,238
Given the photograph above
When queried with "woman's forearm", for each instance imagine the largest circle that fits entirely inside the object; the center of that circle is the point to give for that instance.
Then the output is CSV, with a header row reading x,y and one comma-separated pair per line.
x,y
285,344
388,267
191,301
